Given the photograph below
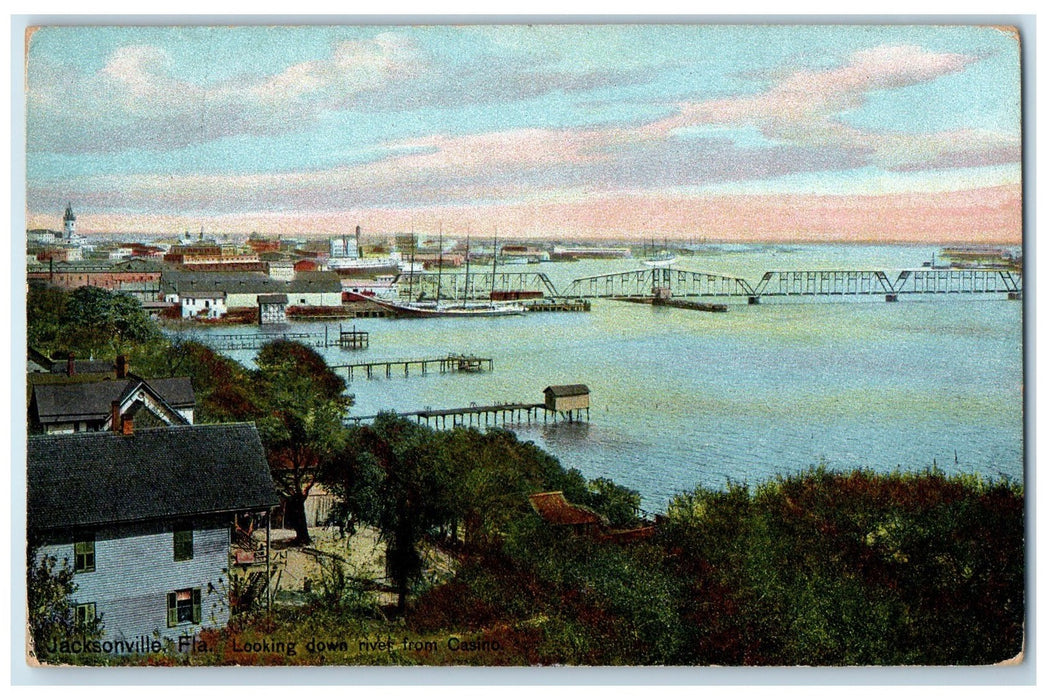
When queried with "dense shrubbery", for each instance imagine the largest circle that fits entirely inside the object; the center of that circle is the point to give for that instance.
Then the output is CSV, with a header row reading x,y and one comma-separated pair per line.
x,y
819,568
858,568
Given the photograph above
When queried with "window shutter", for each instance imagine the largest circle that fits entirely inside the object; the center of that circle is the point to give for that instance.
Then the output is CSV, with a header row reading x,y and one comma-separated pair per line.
x,y
196,607
172,610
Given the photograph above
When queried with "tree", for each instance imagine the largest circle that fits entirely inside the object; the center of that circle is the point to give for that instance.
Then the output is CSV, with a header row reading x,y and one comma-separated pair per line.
x,y
397,477
225,390
45,306
51,611
303,405
88,321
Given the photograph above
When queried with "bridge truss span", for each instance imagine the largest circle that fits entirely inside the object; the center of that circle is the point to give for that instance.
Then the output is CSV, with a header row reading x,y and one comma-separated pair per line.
x,y
643,282
958,281
779,283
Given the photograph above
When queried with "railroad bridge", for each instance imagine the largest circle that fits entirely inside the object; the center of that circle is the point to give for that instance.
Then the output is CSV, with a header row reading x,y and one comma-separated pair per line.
x,y
799,283
642,283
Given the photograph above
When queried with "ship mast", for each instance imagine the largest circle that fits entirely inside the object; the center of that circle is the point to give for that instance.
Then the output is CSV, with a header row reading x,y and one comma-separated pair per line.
x,y
494,262
410,272
440,264
467,239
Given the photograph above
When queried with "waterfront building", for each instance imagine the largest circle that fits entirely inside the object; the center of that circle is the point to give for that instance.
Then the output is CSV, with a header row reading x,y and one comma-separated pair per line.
x,y
566,397
272,309
204,304
242,290
145,519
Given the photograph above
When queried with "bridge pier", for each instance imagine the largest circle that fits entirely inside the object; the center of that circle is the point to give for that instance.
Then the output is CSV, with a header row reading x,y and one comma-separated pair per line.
x,y
754,300
1014,296
891,297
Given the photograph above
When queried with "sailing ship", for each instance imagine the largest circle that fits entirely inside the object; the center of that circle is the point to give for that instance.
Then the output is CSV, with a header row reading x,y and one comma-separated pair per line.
x,y
434,309
663,258
439,308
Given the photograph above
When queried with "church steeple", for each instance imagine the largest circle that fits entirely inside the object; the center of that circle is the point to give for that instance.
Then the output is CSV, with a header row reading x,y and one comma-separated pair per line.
x,y
69,221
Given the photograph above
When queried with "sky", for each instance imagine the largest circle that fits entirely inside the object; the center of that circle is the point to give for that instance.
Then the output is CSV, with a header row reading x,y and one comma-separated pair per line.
x,y
685,132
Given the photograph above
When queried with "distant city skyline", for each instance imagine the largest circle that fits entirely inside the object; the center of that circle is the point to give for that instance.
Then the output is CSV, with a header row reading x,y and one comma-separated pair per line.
x,y
736,133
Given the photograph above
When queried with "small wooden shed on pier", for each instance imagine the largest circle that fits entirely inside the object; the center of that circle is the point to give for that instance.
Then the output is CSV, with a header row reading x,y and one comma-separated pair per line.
x,y
272,309
567,397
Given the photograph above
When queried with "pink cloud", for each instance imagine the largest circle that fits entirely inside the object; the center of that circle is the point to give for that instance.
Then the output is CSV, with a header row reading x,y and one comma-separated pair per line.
x,y
986,215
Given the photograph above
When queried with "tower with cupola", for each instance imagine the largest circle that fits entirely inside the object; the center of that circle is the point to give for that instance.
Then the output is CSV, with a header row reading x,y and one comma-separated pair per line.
x,y
69,222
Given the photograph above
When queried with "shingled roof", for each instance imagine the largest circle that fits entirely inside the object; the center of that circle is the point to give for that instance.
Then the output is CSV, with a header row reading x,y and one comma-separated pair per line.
x,y
193,283
567,390
94,400
93,479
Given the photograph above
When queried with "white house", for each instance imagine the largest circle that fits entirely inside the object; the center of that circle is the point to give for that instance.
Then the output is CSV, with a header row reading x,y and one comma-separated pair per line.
x,y
144,519
204,304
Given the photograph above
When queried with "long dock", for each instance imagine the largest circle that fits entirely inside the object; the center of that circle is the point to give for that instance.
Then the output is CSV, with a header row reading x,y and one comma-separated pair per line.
x,y
476,416
448,363
558,305
348,339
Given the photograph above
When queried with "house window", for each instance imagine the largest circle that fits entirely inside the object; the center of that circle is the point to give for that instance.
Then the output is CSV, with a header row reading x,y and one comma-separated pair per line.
x,y
183,607
85,614
183,545
84,556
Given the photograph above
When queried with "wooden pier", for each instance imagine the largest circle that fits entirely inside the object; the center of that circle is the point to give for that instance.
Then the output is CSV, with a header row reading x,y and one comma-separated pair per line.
x,y
477,416
443,365
350,339
559,305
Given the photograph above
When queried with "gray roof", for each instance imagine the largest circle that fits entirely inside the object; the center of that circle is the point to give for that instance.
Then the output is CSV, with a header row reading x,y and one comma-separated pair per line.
x,y
272,298
306,281
91,479
567,390
56,403
189,283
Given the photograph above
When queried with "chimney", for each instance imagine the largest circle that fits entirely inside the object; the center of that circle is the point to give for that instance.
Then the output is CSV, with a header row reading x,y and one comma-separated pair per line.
x,y
116,416
121,366
128,426
70,365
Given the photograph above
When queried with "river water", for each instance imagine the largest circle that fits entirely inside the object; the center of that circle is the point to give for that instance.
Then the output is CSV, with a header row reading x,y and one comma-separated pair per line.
x,y
683,397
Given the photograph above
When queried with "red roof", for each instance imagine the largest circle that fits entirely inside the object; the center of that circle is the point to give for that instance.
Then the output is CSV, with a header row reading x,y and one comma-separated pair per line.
x,y
555,509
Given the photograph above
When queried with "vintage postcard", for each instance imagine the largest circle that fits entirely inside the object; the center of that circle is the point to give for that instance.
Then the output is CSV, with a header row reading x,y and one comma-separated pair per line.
x,y
525,345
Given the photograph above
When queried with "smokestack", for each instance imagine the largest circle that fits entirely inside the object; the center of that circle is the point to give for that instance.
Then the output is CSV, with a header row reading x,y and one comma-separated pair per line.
x,y
115,411
359,250
127,427
121,366
70,365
